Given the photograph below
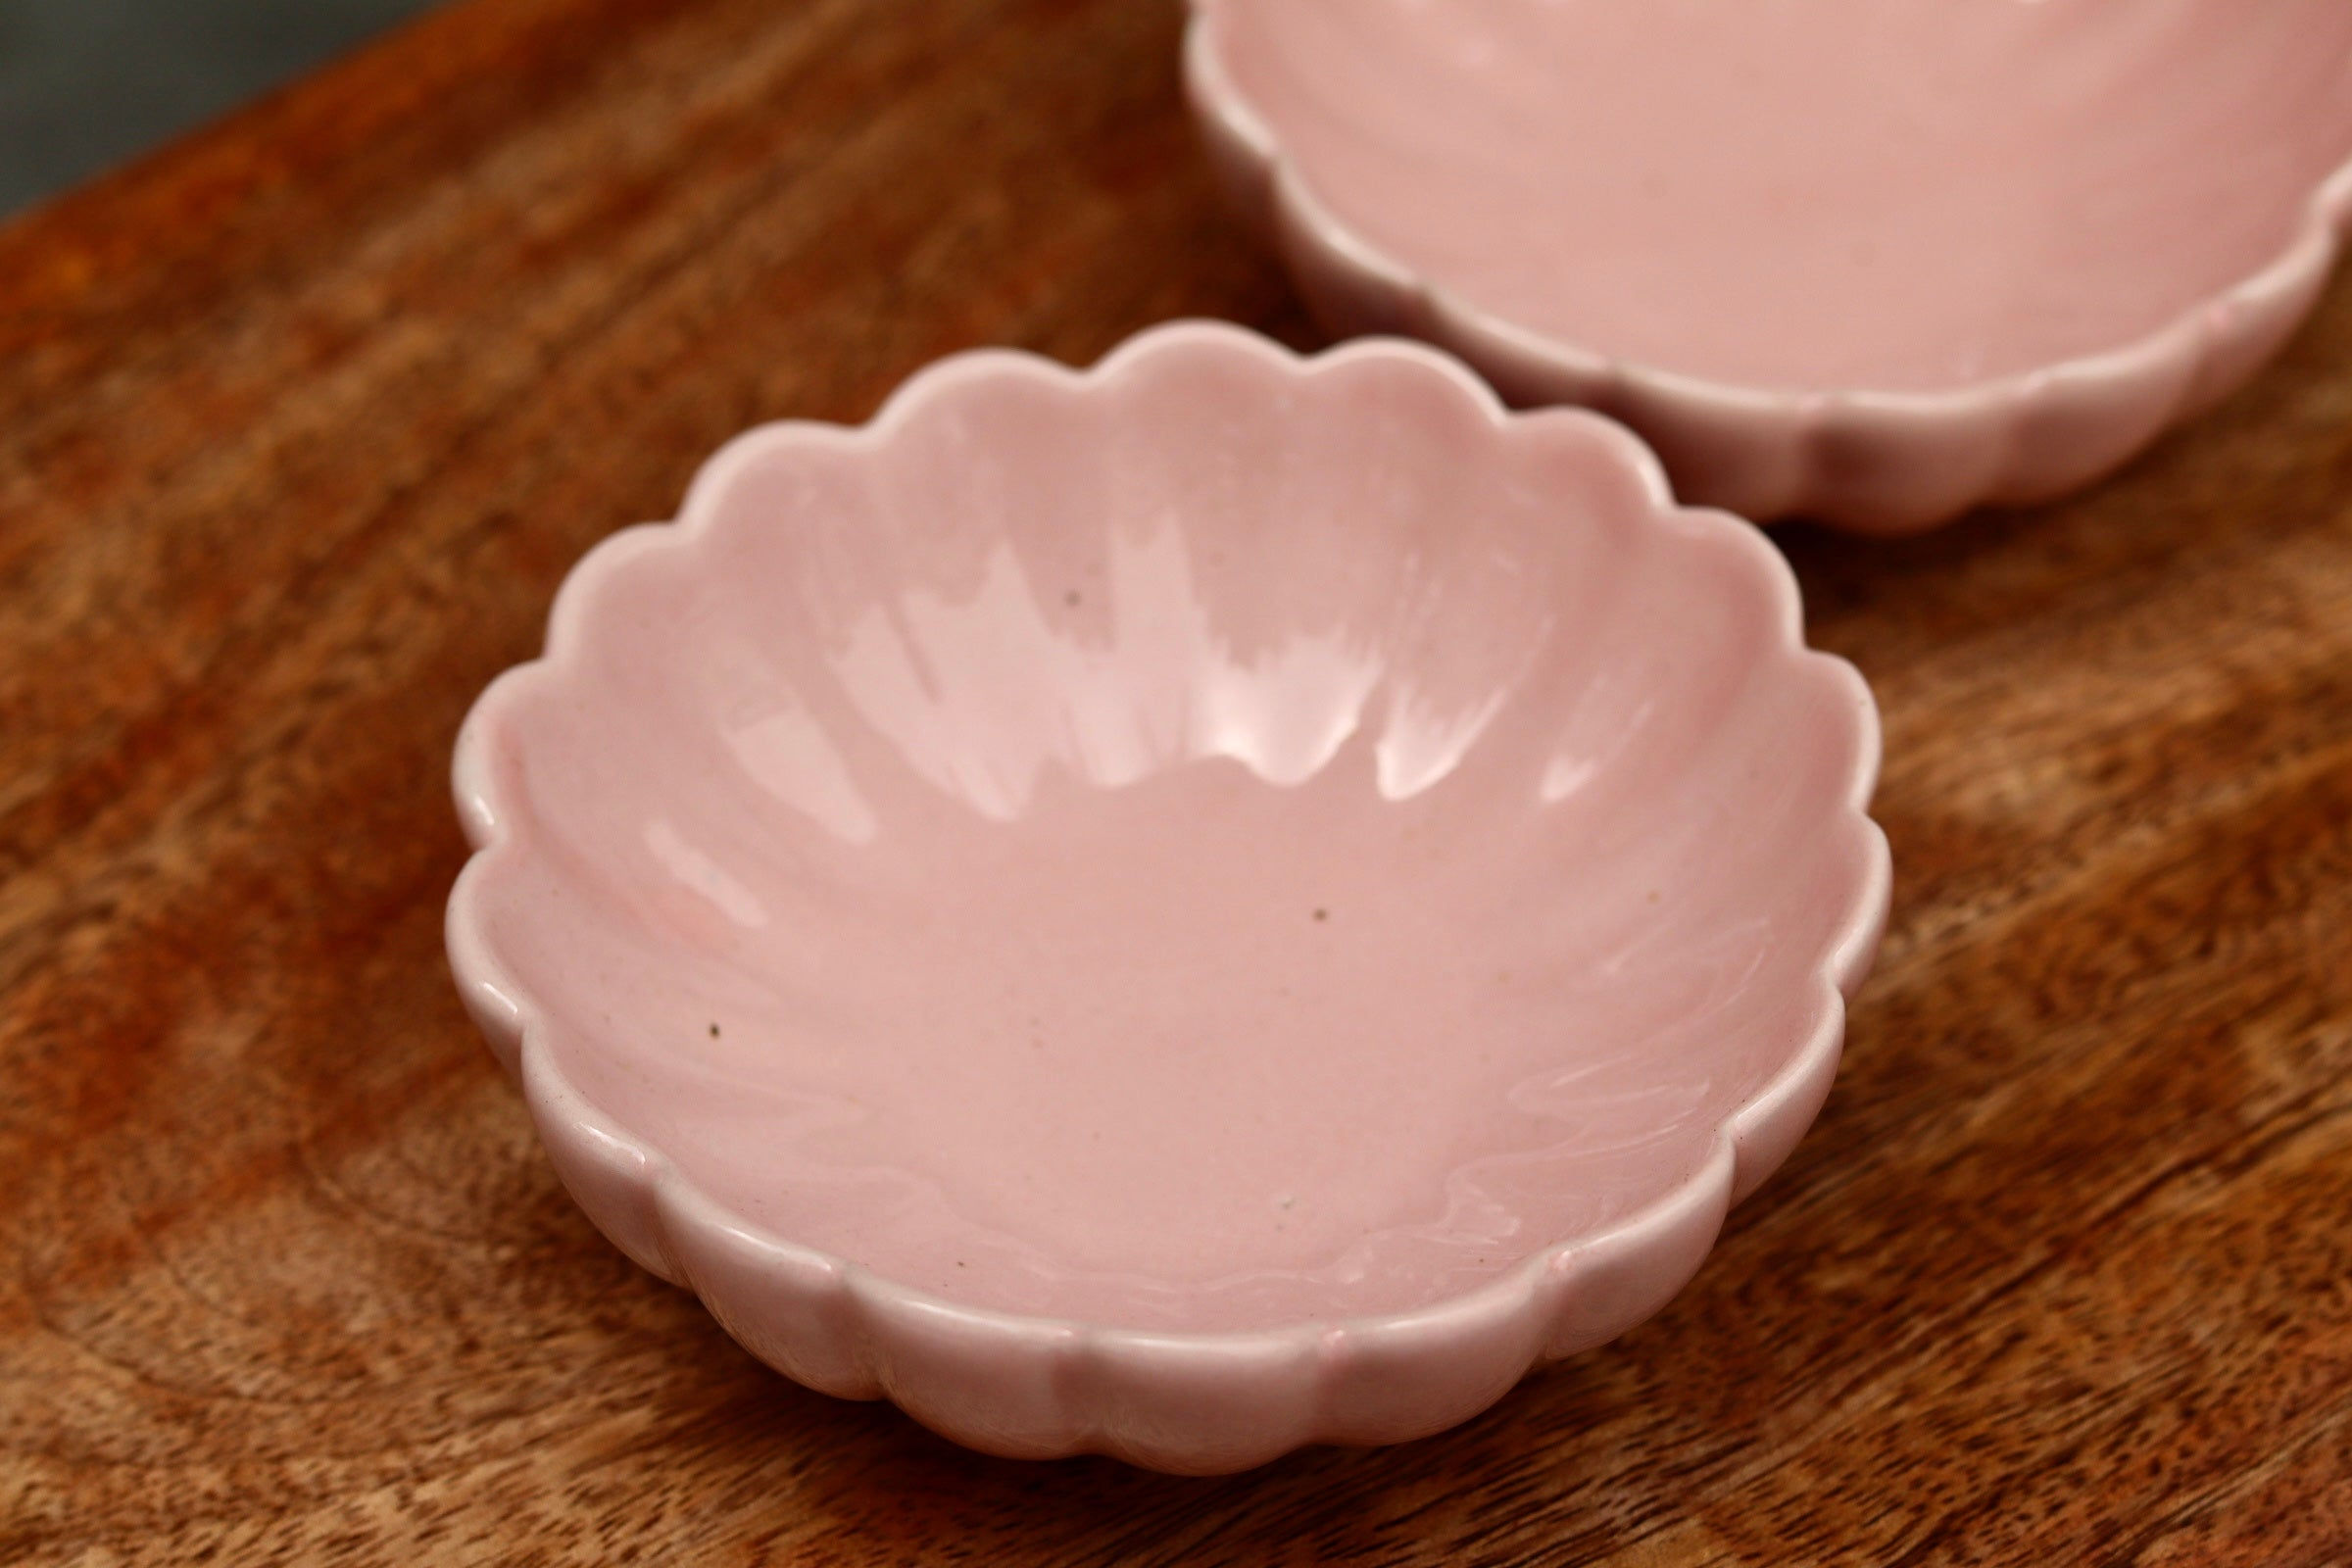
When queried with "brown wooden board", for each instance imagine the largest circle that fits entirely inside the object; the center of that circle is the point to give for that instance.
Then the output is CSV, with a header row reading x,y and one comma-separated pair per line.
x,y
302,420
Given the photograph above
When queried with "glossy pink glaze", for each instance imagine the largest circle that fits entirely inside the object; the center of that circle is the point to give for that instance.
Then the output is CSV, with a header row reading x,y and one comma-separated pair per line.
x,y
1224,857
1667,207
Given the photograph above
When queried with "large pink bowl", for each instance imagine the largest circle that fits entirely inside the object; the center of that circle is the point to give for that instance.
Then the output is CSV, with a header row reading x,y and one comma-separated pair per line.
x,y
1220,902
1871,260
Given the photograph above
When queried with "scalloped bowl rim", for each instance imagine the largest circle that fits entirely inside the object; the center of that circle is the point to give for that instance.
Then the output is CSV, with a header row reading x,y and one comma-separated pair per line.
x,y
518,1033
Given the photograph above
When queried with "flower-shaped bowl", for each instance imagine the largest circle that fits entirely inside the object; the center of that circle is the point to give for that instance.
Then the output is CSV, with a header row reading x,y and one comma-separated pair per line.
x,y
1217,903
1873,263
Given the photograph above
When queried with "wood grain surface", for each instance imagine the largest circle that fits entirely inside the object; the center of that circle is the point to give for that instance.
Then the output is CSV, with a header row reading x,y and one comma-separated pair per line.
x,y
301,421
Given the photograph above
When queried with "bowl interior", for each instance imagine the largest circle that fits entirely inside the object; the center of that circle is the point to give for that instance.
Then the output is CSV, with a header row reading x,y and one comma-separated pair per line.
x,y
1201,852
1910,195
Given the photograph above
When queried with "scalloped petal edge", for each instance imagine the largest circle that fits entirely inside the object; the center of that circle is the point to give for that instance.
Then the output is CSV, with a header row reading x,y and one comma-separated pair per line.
x,y
1872,463
1041,1387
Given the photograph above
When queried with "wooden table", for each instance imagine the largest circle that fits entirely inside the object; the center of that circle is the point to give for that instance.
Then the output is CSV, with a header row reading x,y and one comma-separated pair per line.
x,y
301,421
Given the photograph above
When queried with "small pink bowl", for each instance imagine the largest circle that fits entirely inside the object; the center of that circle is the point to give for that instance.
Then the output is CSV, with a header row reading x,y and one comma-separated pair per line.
x,y
1872,263
1220,902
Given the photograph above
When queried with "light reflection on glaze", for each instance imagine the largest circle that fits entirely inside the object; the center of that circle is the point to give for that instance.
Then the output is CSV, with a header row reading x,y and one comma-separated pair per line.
x,y
795,761
980,696
696,868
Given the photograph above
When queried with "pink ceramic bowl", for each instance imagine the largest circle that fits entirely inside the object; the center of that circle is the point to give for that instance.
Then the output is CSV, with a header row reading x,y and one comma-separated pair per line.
x,y
1874,262
1217,903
